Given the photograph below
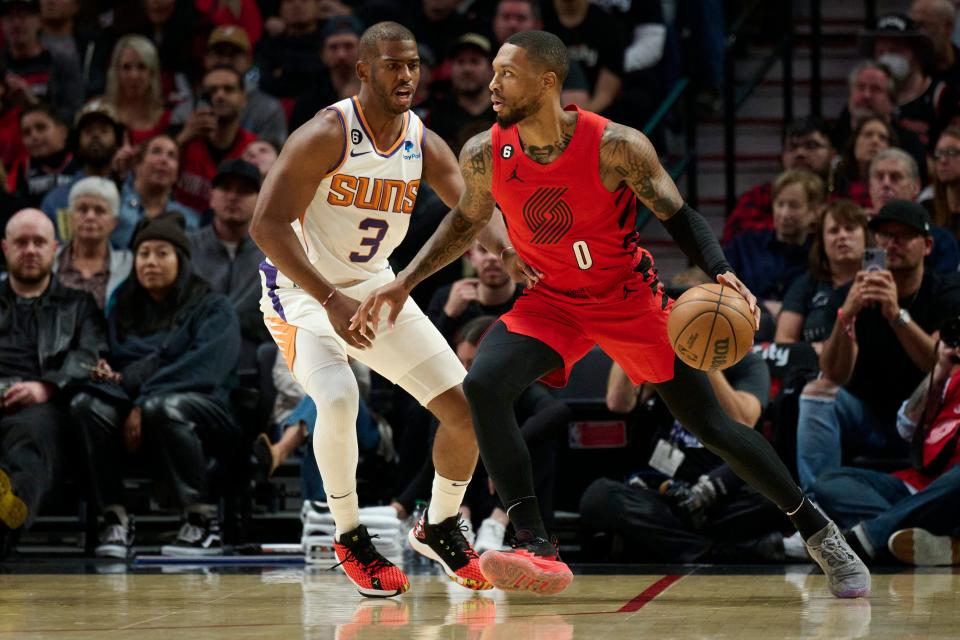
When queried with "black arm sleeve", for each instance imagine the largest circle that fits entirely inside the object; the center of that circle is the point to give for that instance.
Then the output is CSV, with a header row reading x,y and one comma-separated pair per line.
x,y
695,237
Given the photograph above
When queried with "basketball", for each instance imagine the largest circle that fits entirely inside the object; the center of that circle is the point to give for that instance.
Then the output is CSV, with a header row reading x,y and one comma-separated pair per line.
x,y
711,327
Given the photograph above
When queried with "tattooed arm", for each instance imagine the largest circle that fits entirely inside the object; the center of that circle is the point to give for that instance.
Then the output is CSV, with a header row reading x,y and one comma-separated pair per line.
x,y
628,158
451,239
465,221
442,173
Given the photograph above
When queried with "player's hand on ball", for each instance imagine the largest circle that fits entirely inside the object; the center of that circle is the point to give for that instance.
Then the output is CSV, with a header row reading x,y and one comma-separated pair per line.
x,y
366,320
340,310
518,270
729,280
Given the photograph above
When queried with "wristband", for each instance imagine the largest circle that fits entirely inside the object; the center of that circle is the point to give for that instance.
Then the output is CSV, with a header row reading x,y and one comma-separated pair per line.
x,y
324,303
848,324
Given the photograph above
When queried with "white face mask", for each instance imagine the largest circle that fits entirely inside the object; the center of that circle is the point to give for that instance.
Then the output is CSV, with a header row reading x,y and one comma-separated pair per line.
x,y
899,65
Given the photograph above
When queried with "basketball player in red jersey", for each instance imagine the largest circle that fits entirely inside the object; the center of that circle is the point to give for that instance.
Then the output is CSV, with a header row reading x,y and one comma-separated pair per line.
x,y
567,181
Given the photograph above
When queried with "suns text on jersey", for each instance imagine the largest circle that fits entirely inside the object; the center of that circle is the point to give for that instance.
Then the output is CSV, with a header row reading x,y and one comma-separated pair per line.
x,y
376,194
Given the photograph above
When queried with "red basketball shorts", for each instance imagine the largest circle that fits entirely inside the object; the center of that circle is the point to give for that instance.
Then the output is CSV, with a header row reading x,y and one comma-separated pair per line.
x,y
631,329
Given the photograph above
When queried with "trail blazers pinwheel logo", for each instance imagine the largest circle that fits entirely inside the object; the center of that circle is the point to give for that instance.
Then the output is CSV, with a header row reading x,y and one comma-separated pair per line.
x,y
547,215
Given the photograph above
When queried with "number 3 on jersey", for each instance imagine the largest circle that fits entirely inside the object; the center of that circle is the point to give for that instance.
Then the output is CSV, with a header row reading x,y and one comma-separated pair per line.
x,y
582,253
372,242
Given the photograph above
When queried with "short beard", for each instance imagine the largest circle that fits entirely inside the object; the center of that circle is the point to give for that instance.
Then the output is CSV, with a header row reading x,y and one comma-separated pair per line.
x,y
388,106
102,158
519,113
17,275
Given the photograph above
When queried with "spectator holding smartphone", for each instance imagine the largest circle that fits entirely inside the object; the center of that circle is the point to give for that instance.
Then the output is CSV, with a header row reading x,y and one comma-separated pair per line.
x,y
212,135
894,175
881,345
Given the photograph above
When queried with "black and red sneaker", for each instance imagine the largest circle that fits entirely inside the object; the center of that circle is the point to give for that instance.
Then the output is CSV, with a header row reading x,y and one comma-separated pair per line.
x,y
374,575
533,564
445,543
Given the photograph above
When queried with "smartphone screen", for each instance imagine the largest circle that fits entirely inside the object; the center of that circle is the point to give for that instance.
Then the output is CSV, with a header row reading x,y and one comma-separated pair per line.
x,y
874,259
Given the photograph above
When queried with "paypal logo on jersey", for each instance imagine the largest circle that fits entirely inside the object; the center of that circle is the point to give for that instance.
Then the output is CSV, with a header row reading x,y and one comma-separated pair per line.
x,y
408,151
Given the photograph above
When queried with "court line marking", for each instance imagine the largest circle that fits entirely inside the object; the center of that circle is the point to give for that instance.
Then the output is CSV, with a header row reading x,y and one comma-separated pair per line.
x,y
635,604
647,595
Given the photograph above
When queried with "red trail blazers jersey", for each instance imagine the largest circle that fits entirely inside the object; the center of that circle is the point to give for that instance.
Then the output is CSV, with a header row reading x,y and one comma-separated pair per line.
x,y
563,221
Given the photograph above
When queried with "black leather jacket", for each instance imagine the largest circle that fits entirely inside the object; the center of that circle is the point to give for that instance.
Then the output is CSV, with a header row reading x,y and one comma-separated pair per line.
x,y
71,335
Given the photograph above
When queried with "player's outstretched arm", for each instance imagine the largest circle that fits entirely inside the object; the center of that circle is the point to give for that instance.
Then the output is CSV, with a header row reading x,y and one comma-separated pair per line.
x,y
465,221
441,170
628,157
451,239
308,155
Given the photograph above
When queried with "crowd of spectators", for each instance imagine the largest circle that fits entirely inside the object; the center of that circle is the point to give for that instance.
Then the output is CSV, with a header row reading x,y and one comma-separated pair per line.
x,y
134,139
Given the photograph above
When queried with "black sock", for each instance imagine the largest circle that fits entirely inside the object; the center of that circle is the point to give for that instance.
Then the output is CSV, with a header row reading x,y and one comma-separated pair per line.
x,y
524,513
808,520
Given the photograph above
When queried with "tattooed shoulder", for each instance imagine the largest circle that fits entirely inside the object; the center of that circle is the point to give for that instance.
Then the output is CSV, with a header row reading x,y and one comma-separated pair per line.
x,y
476,156
628,158
476,165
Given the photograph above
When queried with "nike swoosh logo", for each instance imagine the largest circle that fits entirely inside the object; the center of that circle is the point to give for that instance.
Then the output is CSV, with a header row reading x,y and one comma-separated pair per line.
x,y
354,155
459,484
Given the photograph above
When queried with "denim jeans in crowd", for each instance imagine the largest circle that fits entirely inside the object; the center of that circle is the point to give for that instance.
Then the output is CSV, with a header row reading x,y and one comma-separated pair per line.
x,y
368,438
824,424
881,503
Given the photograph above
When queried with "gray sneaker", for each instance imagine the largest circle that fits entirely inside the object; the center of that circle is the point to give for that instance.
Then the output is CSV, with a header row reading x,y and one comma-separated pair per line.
x,y
847,576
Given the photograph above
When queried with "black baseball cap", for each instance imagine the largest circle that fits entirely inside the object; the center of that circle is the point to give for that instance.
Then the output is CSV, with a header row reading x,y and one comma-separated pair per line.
x,y
900,27
240,169
32,5
906,213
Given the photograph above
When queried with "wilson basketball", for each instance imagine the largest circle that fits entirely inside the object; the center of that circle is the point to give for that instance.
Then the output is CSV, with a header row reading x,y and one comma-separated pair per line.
x,y
711,327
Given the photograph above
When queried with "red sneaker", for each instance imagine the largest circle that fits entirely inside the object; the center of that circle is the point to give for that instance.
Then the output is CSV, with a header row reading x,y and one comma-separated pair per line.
x,y
533,564
374,613
374,575
445,544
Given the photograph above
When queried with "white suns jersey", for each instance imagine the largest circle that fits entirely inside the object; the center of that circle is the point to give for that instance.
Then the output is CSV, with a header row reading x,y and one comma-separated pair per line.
x,y
361,210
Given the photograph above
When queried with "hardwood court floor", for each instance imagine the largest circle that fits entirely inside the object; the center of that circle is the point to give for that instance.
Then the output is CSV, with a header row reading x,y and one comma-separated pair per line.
x,y
293,602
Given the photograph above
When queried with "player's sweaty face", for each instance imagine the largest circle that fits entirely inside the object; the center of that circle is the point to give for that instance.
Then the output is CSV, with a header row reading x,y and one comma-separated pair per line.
x,y
395,74
515,88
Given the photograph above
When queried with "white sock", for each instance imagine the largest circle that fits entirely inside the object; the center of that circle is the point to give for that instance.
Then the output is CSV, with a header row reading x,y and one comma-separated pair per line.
x,y
345,512
794,548
445,498
864,540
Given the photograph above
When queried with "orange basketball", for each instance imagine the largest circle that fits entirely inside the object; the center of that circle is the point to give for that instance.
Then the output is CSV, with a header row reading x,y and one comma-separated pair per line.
x,y
711,327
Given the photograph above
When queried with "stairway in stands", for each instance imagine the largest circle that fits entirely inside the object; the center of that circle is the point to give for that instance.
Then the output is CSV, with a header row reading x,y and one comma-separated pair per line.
x,y
760,119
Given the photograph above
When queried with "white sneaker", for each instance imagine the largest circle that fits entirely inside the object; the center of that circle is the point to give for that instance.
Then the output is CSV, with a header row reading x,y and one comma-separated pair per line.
x,y
921,548
847,576
116,540
490,536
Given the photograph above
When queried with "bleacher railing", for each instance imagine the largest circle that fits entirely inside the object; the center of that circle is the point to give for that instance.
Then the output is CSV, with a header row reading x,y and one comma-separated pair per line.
x,y
686,166
733,98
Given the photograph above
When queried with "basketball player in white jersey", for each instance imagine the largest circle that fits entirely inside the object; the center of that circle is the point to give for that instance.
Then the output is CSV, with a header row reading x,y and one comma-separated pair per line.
x,y
332,209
